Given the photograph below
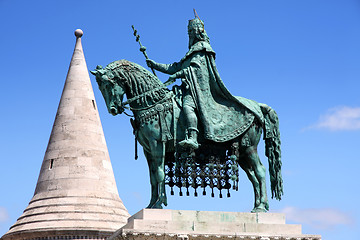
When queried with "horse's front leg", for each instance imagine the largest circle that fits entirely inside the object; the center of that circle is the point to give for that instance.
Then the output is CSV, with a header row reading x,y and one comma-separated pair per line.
x,y
160,174
153,181
162,191
157,153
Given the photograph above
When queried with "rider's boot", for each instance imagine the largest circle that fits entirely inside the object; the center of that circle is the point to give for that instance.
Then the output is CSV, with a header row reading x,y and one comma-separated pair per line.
x,y
192,131
191,139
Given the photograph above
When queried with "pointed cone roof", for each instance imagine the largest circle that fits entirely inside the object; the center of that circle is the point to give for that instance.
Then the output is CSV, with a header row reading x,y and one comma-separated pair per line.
x,y
76,193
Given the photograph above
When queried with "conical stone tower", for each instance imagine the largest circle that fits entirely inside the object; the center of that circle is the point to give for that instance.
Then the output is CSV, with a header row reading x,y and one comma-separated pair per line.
x,y
76,195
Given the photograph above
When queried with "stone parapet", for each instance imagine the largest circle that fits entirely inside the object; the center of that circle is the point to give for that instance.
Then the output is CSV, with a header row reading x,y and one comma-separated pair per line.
x,y
60,234
198,225
172,236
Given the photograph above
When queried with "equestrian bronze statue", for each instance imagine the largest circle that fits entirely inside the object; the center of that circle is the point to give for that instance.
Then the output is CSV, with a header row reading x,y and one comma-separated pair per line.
x,y
197,134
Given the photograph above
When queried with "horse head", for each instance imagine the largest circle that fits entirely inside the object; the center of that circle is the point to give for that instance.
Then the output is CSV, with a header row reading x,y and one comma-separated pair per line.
x,y
112,90
141,87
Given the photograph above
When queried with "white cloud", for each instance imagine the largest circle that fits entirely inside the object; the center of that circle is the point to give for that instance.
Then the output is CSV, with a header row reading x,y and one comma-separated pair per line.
x,y
340,118
325,218
4,216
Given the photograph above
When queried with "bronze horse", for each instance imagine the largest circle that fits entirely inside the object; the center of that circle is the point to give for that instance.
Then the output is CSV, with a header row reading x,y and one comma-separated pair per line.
x,y
157,126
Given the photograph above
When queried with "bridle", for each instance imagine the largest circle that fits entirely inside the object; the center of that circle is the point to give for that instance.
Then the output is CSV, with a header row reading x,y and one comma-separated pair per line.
x,y
123,105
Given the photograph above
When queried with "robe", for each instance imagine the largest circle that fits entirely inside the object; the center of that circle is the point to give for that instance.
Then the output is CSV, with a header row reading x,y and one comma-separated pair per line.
x,y
222,116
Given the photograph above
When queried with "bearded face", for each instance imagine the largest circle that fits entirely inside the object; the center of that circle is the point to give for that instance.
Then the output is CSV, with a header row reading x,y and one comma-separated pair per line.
x,y
196,34
192,37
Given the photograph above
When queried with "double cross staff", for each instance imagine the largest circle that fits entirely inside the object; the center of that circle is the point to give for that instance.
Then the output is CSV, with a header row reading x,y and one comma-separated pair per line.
x,y
142,48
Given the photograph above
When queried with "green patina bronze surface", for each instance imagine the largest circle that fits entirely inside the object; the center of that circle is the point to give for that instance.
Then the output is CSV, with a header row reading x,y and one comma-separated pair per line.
x,y
197,134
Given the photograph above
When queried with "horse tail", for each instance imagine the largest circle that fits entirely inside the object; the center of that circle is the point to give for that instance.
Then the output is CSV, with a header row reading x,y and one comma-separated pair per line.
x,y
273,150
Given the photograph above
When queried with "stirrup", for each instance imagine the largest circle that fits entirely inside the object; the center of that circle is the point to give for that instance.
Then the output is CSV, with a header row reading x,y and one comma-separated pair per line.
x,y
189,143
191,139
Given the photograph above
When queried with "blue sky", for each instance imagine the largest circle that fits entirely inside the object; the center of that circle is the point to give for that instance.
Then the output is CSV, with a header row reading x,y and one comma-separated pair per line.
x,y
302,57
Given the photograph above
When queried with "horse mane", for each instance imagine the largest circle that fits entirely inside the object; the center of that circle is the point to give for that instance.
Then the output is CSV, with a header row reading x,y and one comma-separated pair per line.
x,y
137,80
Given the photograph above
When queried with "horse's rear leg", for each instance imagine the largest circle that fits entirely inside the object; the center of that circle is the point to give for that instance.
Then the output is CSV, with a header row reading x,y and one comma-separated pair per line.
x,y
255,183
259,171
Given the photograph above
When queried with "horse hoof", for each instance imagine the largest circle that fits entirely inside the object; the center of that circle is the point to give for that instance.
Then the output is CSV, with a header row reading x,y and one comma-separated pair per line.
x,y
157,206
259,209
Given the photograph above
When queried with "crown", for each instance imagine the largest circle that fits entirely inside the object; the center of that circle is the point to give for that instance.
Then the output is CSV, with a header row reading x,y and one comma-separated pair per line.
x,y
195,23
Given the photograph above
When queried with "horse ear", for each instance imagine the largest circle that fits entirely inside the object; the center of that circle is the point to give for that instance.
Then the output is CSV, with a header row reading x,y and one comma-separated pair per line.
x,y
93,72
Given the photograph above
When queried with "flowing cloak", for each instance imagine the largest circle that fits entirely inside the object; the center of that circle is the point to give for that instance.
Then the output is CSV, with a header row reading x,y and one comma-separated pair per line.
x,y
223,116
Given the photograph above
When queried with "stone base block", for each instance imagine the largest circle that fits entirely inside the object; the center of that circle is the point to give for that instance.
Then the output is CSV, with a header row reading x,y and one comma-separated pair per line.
x,y
183,224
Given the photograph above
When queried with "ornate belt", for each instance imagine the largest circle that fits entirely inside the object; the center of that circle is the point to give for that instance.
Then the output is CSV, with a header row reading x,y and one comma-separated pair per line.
x,y
158,112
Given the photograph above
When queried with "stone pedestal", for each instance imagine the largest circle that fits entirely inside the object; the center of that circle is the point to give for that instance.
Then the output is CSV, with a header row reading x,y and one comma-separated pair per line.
x,y
199,225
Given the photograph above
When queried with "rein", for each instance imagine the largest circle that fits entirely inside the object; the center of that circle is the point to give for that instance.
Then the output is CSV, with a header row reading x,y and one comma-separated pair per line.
x,y
169,95
123,104
127,102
